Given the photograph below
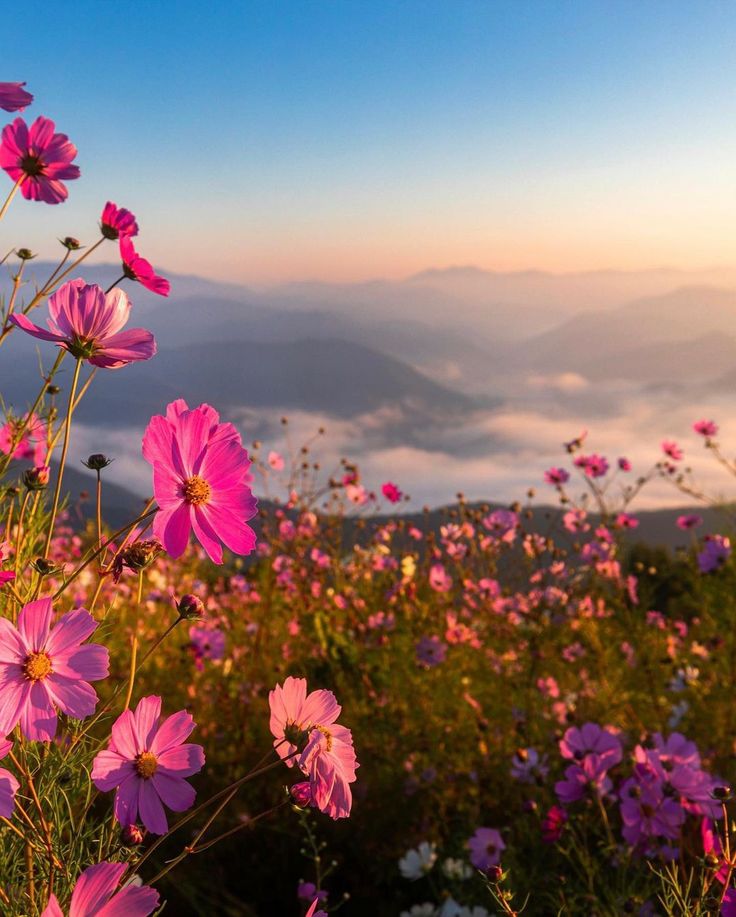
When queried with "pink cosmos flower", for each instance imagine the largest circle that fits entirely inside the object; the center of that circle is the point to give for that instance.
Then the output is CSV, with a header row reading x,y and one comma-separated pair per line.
x,y
556,476
44,669
627,521
391,492
6,576
95,895
8,784
276,461
294,712
137,268
117,221
13,97
624,464
40,158
88,322
707,428
594,466
486,847
199,469
671,449
689,521
32,444
330,763
328,757
439,579
312,912
590,774
146,762
553,824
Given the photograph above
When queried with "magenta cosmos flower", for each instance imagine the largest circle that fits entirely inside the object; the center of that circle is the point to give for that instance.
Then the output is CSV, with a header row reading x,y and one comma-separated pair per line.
x,y
137,268
147,761
87,322
199,474
96,895
13,97
117,222
40,158
45,668
295,713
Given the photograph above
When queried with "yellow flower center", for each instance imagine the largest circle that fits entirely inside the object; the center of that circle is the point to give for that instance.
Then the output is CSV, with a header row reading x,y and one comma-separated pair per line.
x,y
37,666
327,734
146,765
196,490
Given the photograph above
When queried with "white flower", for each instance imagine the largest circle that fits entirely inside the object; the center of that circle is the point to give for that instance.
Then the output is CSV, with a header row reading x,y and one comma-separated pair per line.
x,y
450,909
421,910
416,863
456,869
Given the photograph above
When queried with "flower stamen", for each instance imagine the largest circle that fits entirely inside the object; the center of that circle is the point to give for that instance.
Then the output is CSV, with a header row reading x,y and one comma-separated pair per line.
x,y
146,764
196,490
37,666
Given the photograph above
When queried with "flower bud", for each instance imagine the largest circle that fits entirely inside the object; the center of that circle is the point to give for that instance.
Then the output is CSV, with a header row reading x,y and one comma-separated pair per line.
x,y
133,835
25,254
712,861
53,389
136,557
721,793
301,793
70,243
190,606
97,461
36,478
494,873
44,567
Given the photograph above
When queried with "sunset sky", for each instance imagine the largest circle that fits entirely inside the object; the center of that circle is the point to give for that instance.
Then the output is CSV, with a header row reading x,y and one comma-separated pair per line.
x,y
264,142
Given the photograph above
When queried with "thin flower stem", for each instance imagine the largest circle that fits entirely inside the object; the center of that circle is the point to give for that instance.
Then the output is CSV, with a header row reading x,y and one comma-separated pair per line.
x,y
9,198
131,681
237,828
62,460
113,285
14,294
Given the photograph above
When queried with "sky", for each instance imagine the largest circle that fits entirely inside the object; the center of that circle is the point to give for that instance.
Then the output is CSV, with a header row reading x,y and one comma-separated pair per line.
x,y
264,142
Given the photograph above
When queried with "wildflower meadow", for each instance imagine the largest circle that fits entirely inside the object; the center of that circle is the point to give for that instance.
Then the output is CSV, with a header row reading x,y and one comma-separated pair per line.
x,y
273,691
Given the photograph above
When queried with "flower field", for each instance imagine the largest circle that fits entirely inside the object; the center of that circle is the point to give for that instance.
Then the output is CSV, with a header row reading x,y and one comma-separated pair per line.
x,y
272,693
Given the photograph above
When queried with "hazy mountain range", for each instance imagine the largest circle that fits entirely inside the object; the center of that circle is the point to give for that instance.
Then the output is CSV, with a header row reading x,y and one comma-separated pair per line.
x,y
456,379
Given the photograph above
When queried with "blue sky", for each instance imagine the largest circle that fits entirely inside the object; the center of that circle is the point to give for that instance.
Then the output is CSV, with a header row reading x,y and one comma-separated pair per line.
x,y
342,140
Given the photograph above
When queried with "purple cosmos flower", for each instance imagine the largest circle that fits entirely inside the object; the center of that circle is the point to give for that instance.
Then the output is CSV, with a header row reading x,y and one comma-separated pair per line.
x,y
594,466
39,158
486,847
689,521
431,651
556,476
646,811
96,895
147,761
591,738
44,669
88,322
199,473
13,97
715,553
589,774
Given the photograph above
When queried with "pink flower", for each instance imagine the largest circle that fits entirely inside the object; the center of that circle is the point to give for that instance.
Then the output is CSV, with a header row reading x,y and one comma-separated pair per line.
x,y
391,492
330,763
590,774
307,722
95,895
439,579
689,521
624,464
671,449
626,521
44,669
312,912
13,97
117,221
594,466
556,476
295,713
88,322
147,761
31,446
39,158
199,471
552,824
137,268
591,739
707,428
276,461
486,847
8,784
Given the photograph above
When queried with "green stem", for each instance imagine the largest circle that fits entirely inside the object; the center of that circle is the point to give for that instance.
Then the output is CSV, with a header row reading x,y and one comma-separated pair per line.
x,y
62,460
